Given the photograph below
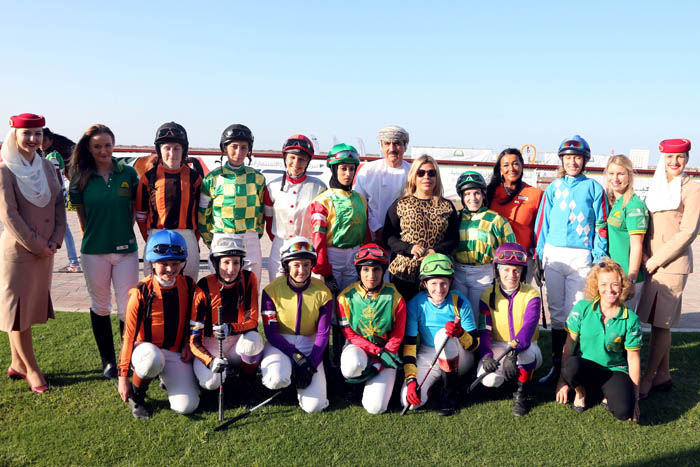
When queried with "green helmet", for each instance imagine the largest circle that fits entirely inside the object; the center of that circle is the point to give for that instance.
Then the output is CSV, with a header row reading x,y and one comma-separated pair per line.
x,y
470,179
436,265
342,154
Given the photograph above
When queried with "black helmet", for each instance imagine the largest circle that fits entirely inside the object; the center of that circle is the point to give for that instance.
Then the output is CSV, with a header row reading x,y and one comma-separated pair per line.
x,y
172,132
236,132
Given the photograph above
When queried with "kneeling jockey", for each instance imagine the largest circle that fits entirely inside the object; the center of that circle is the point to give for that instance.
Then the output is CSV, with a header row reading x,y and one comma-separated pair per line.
x,y
510,313
155,332
225,307
437,314
372,317
297,311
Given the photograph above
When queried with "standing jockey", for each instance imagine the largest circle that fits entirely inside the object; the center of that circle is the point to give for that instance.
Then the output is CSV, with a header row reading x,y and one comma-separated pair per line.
x,y
288,198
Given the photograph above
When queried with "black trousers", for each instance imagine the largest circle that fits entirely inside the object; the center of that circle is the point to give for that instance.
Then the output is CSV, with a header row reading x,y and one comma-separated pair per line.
x,y
615,386
407,289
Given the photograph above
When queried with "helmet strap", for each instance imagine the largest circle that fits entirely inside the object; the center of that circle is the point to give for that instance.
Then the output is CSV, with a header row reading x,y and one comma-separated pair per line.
x,y
164,283
373,289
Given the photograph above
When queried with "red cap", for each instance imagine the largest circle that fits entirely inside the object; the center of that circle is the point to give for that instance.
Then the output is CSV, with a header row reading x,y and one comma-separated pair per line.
x,y
674,145
27,121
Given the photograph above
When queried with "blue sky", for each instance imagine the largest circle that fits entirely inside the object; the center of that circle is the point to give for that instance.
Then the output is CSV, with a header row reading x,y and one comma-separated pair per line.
x,y
622,74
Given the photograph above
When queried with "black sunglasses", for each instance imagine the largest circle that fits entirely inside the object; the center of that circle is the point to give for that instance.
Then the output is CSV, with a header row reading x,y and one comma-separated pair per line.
x,y
422,173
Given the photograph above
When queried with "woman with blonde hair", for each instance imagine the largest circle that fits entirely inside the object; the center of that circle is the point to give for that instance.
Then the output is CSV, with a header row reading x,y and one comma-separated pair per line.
x,y
674,202
418,224
103,191
608,336
627,222
34,217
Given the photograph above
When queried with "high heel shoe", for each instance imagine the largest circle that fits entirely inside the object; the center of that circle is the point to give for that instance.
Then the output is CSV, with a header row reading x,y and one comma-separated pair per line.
x,y
14,374
39,389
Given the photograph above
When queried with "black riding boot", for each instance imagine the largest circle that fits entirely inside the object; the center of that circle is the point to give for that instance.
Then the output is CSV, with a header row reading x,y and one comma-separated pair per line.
x,y
137,402
521,405
102,330
448,406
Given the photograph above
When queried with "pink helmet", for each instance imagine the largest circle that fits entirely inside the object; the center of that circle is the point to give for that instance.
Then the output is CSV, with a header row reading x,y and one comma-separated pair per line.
x,y
511,253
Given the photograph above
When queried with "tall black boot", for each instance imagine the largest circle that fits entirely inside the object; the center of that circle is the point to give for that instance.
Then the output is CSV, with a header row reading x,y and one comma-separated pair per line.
x,y
102,330
137,402
521,405
448,406
558,341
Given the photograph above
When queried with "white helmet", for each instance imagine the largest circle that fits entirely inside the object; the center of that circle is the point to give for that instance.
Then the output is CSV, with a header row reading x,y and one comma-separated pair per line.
x,y
297,248
148,360
226,244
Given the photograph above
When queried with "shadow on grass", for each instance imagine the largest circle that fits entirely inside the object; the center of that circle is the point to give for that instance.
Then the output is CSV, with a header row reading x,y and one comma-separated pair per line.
x,y
687,457
74,377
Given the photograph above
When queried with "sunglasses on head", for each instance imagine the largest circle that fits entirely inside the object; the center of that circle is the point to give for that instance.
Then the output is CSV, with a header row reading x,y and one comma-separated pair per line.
x,y
572,144
422,173
163,248
374,252
173,132
298,143
507,255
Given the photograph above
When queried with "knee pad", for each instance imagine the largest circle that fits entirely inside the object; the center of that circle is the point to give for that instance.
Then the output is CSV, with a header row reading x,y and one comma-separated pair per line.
x,y
148,360
353,360
250,344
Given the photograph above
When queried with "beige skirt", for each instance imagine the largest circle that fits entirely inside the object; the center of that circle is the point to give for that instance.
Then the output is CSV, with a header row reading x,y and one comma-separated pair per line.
x,y
661,300
25,291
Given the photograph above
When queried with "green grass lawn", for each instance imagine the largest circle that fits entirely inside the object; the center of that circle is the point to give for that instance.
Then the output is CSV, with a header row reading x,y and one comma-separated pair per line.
x,y
82,421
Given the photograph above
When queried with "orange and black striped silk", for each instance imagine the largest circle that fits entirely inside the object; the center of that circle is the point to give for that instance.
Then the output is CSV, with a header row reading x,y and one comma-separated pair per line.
x,y
156,315
239,307
168,199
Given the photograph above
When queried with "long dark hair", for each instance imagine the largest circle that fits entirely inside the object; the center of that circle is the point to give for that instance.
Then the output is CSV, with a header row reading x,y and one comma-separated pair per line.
x,y
82,161
59,143
497,178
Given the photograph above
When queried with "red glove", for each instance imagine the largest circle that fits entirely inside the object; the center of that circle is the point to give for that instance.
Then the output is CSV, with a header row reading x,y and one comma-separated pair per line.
x,y
411,394
454,329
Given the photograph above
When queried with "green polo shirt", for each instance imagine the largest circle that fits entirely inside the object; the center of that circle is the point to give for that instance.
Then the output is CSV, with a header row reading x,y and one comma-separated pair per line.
x,y
605,344
623,222
109,215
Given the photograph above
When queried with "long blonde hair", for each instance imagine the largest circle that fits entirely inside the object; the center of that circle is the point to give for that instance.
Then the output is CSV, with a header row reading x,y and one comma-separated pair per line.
x,y
624,162
411,179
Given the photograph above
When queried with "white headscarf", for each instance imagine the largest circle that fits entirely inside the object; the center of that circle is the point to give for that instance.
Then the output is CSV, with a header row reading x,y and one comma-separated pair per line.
x,y
31,178
663,195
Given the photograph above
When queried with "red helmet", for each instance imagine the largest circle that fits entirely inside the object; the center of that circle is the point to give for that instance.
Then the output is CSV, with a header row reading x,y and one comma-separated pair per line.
x,y
298,144
371,254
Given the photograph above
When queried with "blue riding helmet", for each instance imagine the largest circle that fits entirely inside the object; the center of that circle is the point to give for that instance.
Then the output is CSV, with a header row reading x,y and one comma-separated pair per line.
x,y
166,245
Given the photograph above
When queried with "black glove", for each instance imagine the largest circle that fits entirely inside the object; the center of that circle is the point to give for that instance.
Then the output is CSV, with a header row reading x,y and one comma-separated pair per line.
x,y
332,284
303,370
489,364
510,365
538,273
368,373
